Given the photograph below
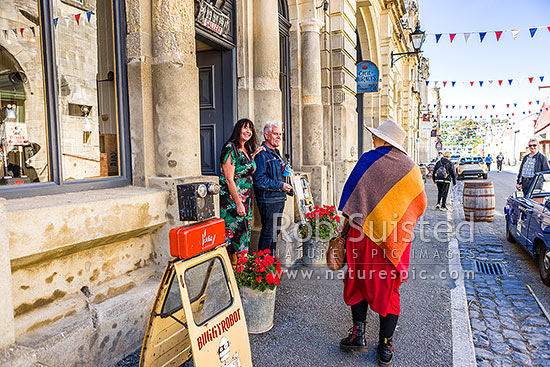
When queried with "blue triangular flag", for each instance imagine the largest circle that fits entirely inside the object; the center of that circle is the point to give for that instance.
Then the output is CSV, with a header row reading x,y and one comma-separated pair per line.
x,y
532,31
493,106
89,15
541,78
437,37
453,106
435,105
453,83
510,81
482,36
427,82
491,116
515,104
481,83
473,107
55,20
538,102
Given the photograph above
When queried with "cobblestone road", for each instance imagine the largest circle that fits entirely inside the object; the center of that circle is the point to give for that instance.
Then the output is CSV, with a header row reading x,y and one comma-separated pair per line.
x,y
508,326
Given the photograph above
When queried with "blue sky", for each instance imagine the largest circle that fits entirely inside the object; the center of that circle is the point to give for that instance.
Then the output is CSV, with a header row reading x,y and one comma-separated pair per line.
x,y
474,61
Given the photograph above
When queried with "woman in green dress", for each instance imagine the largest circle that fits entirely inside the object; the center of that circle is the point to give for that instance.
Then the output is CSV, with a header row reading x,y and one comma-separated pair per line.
x,y
237,160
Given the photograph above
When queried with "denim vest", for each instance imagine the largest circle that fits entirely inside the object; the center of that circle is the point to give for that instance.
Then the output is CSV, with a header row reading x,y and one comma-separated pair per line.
x,y
268,178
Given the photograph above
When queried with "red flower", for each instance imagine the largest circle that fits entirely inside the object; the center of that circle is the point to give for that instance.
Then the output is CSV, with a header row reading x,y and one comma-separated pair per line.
x,y
259,279
260,253
257,260
267,251
241,260
268,259
277,281
270,278
228,233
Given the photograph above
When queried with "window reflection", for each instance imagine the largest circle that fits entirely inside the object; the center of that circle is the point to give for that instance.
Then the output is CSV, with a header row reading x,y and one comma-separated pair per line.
x,y
23,139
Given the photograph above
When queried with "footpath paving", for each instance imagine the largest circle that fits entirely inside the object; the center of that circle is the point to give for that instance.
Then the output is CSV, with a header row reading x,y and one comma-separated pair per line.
x,y
508,326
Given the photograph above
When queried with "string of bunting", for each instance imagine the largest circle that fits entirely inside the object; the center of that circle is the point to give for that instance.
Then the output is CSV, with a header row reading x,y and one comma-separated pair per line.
x,y
20,32
472,107
482,35
472,83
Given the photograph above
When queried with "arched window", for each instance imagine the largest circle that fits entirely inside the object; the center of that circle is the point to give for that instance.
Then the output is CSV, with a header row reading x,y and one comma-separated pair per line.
x,y
284,78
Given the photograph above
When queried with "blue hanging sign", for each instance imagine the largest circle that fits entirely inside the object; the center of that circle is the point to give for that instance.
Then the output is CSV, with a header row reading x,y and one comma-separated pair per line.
x,y
367,77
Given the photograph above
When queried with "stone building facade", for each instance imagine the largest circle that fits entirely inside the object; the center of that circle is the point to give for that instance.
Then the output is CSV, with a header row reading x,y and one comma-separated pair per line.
x,y
83,247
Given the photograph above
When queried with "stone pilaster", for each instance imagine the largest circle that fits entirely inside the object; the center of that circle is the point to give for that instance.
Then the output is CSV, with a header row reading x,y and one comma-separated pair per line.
x,y
267,93
175,89
7,337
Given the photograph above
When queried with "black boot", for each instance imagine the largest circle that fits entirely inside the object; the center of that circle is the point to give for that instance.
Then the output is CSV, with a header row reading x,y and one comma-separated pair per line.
x,y
385,352
356,338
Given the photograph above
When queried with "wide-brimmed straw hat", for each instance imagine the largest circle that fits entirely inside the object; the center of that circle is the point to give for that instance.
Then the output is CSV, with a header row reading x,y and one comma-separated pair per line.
x,y
391,133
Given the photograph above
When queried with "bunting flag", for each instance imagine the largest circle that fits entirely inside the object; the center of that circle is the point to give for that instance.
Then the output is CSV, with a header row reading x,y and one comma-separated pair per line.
x,y
500,82
481,83
515,33
482,36
510,81
532,31
467,36
531,80
444,84
437,37
452,36
453,83
498,34
541,78
77,18
471,84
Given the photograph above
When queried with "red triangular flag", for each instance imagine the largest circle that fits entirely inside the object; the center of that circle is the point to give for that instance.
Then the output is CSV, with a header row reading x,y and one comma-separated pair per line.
x,y
507,105
530,103
531,80
498,34
486,106
549,28
77,18
472,84
500,82
21,30
452,36
444,84
466,107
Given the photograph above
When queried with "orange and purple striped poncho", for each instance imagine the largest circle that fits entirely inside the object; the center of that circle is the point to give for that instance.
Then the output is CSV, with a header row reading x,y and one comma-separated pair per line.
x,y
384,195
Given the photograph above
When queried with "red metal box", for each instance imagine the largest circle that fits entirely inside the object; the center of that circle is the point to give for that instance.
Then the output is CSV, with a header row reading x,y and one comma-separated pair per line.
x,y
193,239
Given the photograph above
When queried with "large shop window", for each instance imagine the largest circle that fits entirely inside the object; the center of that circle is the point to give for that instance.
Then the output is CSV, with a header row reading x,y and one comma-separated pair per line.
x,y
63,96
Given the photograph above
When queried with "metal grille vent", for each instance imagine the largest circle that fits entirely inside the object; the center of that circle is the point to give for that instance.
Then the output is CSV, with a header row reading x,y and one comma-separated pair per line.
x,y
493,268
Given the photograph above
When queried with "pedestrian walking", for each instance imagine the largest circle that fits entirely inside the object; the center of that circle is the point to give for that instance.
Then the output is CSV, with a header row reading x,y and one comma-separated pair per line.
x,y
531,164
488,161
270,187
500,160
439,156
444,174
237,161
382,199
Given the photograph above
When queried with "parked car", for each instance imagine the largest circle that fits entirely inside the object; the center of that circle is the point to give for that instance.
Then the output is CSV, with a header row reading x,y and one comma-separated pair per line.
x,y
471,166
455,158
528,221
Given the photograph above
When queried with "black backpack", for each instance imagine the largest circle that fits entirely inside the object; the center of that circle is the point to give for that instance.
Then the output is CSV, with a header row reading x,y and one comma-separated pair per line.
x,y
441,173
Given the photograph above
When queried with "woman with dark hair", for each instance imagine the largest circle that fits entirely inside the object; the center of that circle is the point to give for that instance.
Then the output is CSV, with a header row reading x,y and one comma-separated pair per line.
x,y
237,161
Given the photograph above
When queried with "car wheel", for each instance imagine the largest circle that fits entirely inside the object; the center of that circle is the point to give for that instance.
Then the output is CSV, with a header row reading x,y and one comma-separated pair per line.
x,y
544,264
484,176
509,235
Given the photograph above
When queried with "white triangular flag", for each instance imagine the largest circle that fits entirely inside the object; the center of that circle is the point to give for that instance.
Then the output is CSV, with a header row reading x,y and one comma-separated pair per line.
x,y
435,84
67,20
466,37
515,33
491,81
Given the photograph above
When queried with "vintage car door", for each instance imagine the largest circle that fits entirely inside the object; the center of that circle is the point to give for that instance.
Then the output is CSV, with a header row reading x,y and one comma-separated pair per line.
x,y
166,341
215,318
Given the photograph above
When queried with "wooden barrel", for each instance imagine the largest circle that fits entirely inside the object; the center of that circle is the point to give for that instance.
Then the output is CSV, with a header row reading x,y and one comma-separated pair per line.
x,y
479,201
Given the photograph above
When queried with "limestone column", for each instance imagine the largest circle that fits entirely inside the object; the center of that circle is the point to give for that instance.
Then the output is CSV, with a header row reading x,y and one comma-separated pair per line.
x,y
267,93
312,107
7,337
312,110
175,89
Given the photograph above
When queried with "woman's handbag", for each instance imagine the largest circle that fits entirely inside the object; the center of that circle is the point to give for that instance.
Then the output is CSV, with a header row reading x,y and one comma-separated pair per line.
x,y
336,254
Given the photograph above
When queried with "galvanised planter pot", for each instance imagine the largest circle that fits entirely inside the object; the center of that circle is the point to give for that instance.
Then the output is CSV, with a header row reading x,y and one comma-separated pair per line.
x,y
315,251
259,309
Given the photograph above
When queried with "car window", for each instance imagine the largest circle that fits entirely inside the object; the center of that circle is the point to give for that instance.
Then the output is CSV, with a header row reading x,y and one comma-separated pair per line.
x,y
541,186
208,289
172,303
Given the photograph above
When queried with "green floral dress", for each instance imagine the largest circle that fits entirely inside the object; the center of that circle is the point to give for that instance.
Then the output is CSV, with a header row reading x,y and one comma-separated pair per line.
x,y
237,229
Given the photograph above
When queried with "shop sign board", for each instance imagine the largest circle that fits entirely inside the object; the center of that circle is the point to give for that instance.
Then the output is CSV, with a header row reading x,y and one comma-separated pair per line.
x,y
439,145
212,17
367,77
434,133
16,133
426,117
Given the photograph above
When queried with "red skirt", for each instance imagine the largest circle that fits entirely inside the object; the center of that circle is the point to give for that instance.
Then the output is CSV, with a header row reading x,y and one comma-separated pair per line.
x,y
371,276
